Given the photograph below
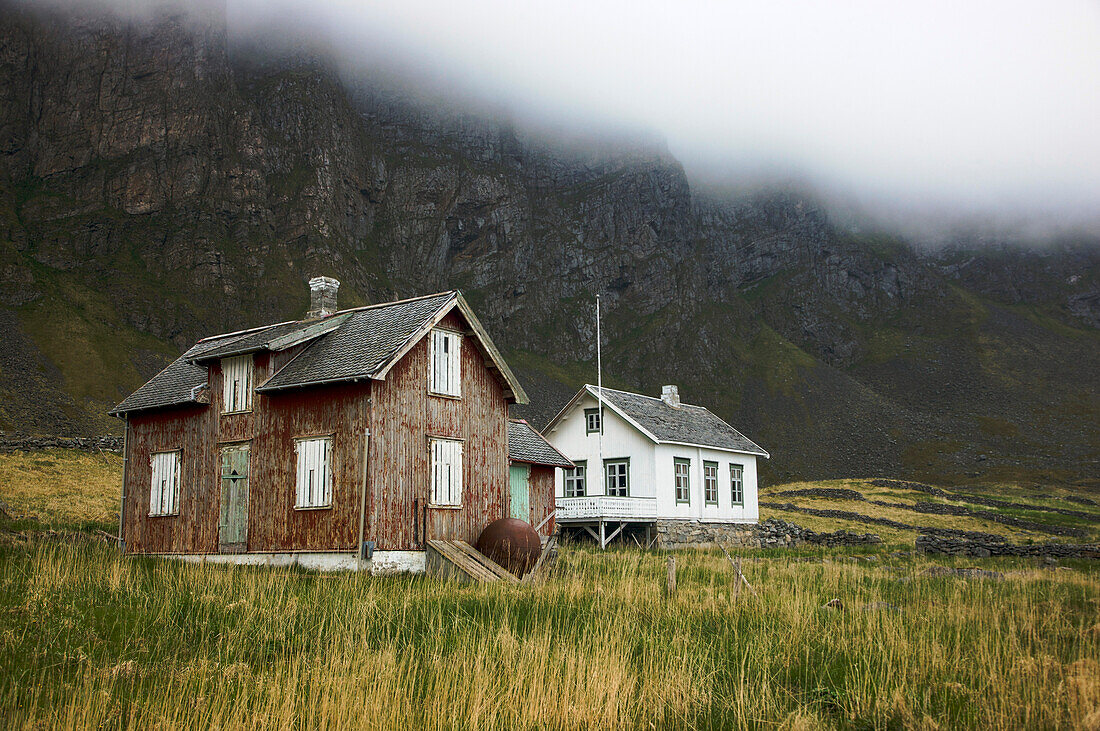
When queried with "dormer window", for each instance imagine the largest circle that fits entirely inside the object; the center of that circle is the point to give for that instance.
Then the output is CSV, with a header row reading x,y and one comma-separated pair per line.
x,y
445,364
237,384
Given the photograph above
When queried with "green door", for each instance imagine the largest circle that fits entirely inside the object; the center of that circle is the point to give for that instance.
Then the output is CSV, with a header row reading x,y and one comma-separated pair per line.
x,y
521,493
233,523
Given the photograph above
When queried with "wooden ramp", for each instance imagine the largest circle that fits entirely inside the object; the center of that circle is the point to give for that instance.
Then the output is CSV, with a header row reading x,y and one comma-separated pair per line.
x,y
459,560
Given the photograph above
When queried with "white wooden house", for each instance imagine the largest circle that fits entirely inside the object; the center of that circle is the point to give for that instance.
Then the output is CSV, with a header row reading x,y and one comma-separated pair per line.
x,y
645,461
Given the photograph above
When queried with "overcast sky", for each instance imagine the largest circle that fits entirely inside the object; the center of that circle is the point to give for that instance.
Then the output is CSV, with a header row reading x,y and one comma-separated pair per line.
x,y
991,107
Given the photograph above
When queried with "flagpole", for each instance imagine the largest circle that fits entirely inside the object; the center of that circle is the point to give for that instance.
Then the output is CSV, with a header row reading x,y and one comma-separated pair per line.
x,y
599,394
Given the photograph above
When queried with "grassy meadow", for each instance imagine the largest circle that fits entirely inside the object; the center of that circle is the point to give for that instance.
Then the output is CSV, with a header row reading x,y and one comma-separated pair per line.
x,y
89,638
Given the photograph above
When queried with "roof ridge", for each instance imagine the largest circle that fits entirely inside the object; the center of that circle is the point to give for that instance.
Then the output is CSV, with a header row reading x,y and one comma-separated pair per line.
x,y
651,398
396,302
258,328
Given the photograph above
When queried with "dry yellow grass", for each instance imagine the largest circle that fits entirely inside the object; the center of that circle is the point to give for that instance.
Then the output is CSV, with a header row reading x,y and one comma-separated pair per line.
x,y
62,487
155,644
896,495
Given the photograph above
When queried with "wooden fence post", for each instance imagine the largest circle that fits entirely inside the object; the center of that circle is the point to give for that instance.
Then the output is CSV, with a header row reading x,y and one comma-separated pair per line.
x,y
670,583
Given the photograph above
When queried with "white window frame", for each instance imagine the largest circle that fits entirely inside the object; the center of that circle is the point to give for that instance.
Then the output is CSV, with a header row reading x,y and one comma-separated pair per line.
x,y
237,384
593,424
576,479
681,477
164,483
710,483
445,469
737,483
313,473
624,477
445,363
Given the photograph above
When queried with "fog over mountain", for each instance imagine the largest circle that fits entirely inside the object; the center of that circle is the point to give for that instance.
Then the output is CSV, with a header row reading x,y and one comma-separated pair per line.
x,y
934,117
920,110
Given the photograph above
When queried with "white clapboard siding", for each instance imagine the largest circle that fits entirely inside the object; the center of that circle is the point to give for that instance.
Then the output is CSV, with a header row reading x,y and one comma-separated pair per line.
x,y
445,363
314,479
237,384
446,472
164,491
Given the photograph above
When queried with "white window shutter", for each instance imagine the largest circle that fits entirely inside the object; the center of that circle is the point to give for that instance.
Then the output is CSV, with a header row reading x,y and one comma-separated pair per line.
x,y
446,471
454,365
314,474
175,462
458,472
445,363
325,478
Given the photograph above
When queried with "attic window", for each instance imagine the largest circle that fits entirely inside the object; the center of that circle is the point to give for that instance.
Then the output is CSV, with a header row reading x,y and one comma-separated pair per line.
x,y
445,364
591,421
237,384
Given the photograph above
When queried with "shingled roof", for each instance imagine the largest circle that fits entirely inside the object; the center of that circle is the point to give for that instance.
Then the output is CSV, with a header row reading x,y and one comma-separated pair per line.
x,y
362,346
527,445
354,344
178,383
663,423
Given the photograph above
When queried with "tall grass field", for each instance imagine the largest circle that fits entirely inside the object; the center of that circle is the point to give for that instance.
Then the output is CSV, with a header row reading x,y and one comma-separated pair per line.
x,y
92,639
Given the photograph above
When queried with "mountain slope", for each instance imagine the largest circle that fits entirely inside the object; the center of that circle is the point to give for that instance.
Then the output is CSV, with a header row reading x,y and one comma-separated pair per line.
x,y
157,186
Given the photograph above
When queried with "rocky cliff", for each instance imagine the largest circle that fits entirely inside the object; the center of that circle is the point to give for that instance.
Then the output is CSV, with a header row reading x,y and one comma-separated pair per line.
x,y
158,184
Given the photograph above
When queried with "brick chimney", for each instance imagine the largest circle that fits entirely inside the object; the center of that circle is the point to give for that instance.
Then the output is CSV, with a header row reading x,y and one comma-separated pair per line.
x,y
671,396
322,297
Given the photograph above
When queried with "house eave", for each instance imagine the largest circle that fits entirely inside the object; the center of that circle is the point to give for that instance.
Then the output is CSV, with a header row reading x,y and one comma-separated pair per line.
x,y
760,453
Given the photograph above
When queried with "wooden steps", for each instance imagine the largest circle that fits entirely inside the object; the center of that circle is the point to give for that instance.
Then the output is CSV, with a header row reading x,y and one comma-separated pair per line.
x,y
459,560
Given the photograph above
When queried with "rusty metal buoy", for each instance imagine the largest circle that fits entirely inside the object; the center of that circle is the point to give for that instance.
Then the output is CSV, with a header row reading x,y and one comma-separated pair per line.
x,y
512,543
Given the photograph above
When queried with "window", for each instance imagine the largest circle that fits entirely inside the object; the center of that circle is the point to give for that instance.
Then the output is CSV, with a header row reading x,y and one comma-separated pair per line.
x,y
445,364
737,489
446,472
618,477
682,472
164,493
314,472
237,384
591,421
574,480
710,483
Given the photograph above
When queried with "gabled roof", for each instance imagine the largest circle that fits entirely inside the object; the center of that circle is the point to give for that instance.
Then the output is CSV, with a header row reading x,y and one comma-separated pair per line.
x,y
354,344
364,344
527,445
665,424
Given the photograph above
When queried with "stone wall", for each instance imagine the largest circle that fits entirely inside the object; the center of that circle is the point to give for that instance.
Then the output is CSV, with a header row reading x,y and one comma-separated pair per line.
x,y
984,549
770,533
14,443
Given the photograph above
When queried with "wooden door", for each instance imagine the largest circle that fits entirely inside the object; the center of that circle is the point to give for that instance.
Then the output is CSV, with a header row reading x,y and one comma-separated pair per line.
x,y
519,481
233,524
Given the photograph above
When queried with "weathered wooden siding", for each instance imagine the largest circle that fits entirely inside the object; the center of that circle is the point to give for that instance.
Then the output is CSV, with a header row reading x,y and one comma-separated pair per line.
x,y
195,529
339,411
270,428
404,417
541,484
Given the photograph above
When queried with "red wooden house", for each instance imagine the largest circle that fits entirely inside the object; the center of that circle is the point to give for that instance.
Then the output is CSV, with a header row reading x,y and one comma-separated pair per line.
x,y
344,440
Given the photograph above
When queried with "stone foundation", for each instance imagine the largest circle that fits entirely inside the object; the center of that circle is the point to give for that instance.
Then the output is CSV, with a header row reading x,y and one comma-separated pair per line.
x,y
382,563
770,533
